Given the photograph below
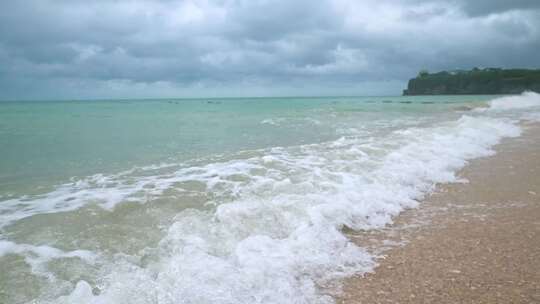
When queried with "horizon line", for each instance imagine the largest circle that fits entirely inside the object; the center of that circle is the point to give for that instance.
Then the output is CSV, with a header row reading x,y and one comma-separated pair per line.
x,y
190,98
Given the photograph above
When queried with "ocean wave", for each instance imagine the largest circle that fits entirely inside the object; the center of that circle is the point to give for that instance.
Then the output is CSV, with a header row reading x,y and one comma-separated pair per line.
x,y
523,101
279,238
272,230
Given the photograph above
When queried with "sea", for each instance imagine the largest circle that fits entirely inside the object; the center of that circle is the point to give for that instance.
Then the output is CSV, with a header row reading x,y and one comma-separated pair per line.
x,y
223,200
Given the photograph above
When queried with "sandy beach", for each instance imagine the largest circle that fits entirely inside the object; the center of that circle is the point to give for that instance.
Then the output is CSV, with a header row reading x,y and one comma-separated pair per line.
x,y
473,242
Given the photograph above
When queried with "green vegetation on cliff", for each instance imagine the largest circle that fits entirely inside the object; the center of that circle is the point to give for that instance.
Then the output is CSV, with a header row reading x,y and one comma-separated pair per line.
x,y
476,81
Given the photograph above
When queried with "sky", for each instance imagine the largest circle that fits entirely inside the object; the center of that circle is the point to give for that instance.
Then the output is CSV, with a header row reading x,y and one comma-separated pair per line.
x,y
78,49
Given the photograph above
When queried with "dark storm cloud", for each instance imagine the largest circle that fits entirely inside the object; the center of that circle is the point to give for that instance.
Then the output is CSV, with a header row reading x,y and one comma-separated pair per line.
x,y
239,47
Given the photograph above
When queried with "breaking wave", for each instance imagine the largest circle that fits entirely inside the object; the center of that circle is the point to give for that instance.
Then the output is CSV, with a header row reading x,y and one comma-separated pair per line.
x,y
272,232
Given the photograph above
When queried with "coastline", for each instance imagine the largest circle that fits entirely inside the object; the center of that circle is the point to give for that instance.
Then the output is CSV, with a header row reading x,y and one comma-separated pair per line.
x,y
240,225
473,242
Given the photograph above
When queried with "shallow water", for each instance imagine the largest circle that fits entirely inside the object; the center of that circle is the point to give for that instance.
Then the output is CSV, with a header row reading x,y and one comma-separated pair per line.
x,y
220,200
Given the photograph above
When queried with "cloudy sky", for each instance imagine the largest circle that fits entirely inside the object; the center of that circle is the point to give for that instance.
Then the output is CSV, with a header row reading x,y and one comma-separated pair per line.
x,y
194,48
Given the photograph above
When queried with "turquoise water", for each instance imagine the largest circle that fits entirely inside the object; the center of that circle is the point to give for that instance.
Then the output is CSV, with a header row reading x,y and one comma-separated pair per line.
x,y
220,200
44,143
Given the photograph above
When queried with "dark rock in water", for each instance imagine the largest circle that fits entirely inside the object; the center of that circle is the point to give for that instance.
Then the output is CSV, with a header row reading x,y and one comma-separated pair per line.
x,y
428,102
387,101
407,102
475,81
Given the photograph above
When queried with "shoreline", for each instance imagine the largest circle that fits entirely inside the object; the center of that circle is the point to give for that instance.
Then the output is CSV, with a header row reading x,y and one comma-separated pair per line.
x,y
473,242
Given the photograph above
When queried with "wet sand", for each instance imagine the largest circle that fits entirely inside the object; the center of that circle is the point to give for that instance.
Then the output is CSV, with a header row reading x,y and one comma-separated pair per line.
x,y
475,242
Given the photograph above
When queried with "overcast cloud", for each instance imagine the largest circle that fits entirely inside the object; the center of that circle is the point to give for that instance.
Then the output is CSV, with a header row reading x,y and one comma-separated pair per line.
x,y
99,49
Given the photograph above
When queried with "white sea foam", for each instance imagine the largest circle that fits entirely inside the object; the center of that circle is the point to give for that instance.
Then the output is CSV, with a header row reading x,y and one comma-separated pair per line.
x,y
525,100
279,239
38,256
109,190
272,121
532,116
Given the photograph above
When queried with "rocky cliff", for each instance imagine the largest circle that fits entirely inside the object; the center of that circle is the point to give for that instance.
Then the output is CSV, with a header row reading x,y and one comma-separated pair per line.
x,y
476,81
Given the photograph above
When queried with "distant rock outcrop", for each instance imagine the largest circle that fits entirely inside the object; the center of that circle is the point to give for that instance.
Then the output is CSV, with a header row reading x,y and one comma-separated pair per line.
x,y
475,81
